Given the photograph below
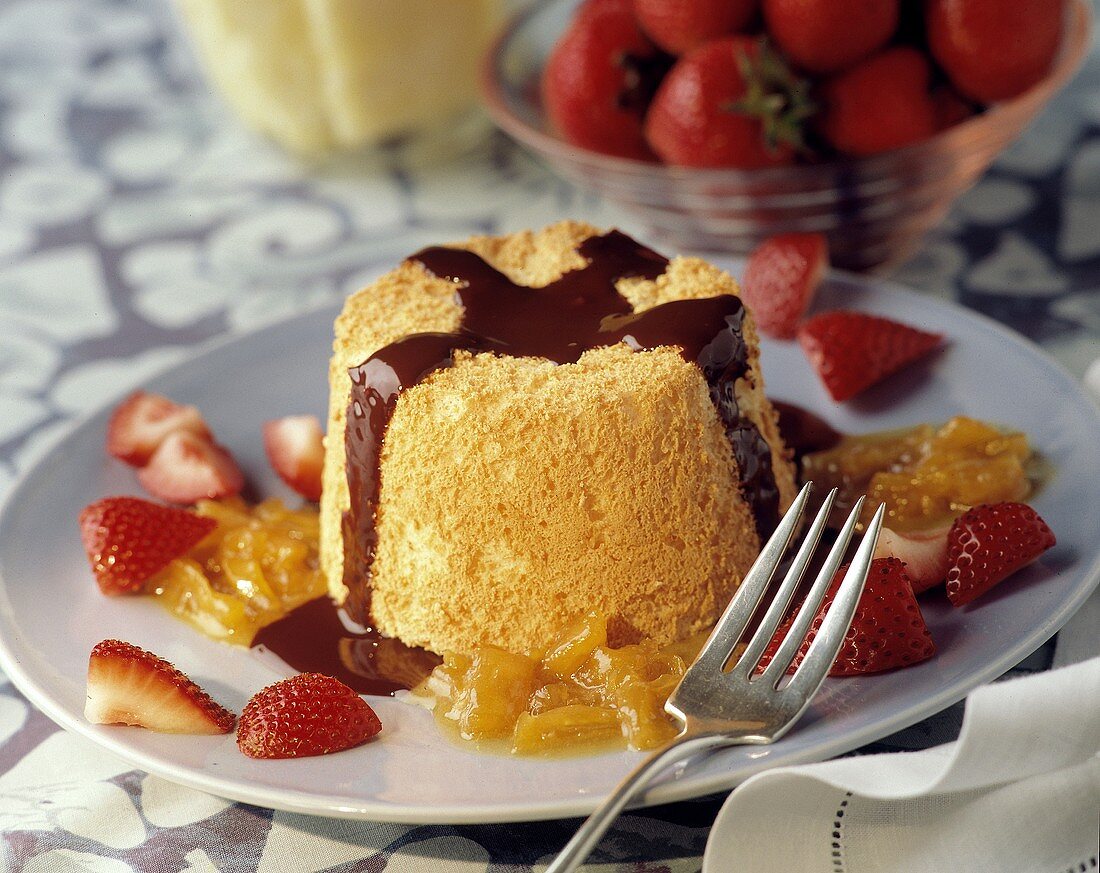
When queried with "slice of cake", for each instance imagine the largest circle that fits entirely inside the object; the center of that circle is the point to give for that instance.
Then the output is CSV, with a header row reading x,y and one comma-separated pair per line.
x,y
524,429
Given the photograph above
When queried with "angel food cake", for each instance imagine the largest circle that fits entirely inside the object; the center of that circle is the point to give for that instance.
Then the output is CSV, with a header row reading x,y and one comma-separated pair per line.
x,y
528,428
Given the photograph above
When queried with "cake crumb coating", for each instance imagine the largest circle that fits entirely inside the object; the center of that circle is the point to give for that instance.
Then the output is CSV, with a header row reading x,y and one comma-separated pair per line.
x,y
518,494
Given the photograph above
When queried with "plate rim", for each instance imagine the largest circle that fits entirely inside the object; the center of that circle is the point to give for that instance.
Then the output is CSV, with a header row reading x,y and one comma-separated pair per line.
x,y
680,788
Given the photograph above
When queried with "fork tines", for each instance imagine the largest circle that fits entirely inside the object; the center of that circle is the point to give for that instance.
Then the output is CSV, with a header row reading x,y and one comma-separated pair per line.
x,y
731,626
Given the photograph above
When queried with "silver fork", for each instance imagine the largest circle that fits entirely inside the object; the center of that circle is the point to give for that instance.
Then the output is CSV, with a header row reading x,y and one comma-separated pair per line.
x,y
716,708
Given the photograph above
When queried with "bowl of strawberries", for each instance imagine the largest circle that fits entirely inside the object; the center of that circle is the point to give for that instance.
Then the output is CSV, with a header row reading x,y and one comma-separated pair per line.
x,y
720,123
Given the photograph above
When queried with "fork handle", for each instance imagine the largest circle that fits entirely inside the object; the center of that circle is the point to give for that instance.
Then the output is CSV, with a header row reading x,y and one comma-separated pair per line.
x,y
595,826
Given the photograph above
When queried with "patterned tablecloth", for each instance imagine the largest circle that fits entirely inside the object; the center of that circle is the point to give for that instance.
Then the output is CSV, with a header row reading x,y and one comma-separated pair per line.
x,y
137,219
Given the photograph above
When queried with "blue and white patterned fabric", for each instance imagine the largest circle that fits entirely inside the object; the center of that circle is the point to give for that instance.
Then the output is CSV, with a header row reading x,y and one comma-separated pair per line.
x,y
138,219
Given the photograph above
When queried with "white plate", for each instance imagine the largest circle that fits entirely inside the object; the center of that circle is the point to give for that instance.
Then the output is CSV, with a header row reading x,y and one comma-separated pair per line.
x,y
51,613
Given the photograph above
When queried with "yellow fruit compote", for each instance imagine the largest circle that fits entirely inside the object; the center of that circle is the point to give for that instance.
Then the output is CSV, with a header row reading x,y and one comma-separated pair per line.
x,y
577,694
257,565
926,476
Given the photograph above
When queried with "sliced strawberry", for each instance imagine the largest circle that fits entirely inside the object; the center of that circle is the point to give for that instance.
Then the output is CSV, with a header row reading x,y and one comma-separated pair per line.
x,y
888,630
308,714
851,351
128,685
129,540
141,422
989,543
187,468
295,448
781,278
924,555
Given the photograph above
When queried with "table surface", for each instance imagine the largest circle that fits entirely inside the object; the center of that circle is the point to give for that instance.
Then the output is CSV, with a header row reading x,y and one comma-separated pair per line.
x,y
138,219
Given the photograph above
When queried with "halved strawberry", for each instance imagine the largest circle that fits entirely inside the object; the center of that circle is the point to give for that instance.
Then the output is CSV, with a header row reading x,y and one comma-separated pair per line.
x,y
851,351
781,278
129,540
308,714
187,468
888,630
128,685
989,543
295,448
141,422
924,555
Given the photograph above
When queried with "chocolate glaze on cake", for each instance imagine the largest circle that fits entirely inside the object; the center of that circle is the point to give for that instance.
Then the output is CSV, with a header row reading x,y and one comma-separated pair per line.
x,y
581,310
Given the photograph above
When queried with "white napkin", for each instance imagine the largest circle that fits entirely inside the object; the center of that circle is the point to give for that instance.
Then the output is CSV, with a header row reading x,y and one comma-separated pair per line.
x,y
1018,791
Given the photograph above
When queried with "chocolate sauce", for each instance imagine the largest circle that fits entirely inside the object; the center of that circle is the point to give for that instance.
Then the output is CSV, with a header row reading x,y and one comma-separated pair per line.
x,y
581,310
804,432
313,639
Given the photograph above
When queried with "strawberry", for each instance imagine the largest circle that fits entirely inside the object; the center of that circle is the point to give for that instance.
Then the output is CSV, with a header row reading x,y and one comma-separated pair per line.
x,y
887,631
141,422
729,103
951,107
295,448
781,278
187,468
989,543
826,36
923,553
883,103
678,26
852,351
129,540
599,79
128,685
308,714
992,49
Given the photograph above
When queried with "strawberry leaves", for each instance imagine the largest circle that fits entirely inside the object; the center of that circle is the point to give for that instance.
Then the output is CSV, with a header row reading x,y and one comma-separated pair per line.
x,y
774,96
